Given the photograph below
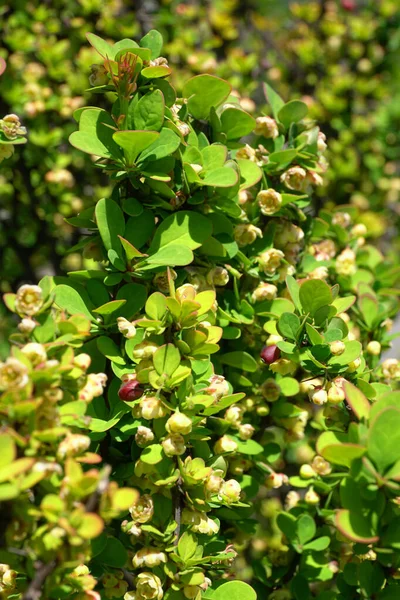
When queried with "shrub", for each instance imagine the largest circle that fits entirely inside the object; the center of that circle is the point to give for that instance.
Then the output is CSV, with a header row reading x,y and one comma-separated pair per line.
x,y
208,403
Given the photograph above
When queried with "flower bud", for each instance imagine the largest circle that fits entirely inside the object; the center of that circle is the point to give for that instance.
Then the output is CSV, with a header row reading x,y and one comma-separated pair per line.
x,y
269,201
354,365
374,348
218,276
174,444
246,431
233,415
148,587
218,387
160,280
125,327
292,499
98,75
13,374
152,408
225,444
29,300
143,436
264,291
318,396
337,348
270,354
307,472
73,445
35,353
179,423
148,557
27,325
82,361
142,510
270,390
319,273
346,262
145,349
321,466
213,484
311,498
11,126
246,234
276,480
230,491
131,390
335,394
199,522
270,260
391,368
321,145
295,178
267,127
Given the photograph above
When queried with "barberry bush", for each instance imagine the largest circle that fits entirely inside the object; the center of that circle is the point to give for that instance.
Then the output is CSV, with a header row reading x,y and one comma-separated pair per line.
x,y
204,413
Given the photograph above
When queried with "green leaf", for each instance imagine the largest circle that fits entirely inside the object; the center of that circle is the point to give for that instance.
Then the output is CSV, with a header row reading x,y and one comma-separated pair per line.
x,y
109,349
165,145
109,307
172,255
234,590
314,294
355,527
74,302
369,308
138,229
166,359
204,92
185,228
283,157
152,455
294,291
236,123
148,113
135,295
342,454
289,325
273,99
134,142
130,251
250,173
8,450
384,438
319,544
221,177
343,304
292,112
153,40
357,400
102,47
95,135
155,72
187,546
289,386
240,360
111,223
306,528
114,554
352,351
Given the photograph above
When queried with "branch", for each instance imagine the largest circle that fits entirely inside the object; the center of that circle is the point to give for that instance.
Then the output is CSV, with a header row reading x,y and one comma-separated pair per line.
x,y
43,570
178,510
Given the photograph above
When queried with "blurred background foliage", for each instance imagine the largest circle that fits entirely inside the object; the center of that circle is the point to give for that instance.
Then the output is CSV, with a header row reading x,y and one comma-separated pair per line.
x,y
340,56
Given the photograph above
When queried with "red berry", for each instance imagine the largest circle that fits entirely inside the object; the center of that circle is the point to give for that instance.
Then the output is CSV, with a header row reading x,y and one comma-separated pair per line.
x,y
130,390
270,354
349,5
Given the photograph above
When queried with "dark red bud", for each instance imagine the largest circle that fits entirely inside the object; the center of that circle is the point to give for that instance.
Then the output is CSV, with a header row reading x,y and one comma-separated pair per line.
x,y
130,390
349,5
270,354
